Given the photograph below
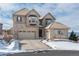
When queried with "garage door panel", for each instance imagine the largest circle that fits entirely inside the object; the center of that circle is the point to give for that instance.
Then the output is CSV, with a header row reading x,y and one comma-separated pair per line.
x,y
26,35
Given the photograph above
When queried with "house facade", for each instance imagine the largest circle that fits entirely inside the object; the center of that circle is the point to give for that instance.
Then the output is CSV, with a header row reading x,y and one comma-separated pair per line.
x,y
29,24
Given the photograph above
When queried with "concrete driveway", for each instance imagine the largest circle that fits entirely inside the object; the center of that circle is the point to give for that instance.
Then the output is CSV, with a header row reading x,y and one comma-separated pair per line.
x,y
33,45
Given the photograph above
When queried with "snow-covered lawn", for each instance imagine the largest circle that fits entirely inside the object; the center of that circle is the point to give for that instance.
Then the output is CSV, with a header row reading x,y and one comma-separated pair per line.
x,y
11,48
62,45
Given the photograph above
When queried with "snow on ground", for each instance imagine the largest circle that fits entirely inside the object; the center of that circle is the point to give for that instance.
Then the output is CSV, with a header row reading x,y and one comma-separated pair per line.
x,y
62,45
3,44
13,47
6,52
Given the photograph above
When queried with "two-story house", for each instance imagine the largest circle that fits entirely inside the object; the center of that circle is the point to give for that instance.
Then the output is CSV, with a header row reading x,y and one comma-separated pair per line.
x,y
29,24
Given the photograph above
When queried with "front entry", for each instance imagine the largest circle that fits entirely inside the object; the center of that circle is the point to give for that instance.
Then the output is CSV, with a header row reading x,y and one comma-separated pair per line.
x,y
40,32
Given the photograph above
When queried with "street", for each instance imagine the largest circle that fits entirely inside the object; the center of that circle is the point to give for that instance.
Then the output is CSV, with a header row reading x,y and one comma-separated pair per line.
x,y
48,53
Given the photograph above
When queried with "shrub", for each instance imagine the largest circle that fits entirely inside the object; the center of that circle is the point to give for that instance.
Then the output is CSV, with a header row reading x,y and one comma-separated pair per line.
x,y
73,36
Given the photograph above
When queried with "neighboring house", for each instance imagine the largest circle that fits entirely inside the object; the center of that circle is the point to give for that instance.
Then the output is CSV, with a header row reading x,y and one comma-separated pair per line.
x,y
30,25
8,31
8,34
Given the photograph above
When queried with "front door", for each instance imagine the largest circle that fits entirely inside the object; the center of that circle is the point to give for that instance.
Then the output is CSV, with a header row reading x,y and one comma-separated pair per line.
x,y
40,32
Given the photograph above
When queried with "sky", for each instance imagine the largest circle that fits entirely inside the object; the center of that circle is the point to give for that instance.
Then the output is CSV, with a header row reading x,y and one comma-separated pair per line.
x,y
66,13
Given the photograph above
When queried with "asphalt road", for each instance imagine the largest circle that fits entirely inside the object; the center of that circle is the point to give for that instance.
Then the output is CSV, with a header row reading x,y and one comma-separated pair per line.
x,y
48,53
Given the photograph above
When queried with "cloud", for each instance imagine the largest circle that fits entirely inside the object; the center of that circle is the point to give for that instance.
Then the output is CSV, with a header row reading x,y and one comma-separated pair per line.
x,y
71,20
65,13
2,5
64,9
7,23
44,9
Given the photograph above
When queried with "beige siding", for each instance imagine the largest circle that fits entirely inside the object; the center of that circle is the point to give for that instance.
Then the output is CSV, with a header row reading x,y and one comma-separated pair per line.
x,y
23,27
24,30
48,34
55,35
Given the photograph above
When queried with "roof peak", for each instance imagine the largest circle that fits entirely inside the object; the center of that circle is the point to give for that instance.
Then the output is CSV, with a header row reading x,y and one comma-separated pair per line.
x,y
48,14
22,11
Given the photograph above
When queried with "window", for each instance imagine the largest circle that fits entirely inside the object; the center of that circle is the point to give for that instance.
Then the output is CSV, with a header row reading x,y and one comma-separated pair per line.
x,y
58,32
19,18
40,22
48,21
32,19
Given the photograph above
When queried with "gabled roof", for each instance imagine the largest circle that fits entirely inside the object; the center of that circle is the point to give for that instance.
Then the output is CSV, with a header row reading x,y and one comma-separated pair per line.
x,y
41,17
57,25
23,11
47,15
34,11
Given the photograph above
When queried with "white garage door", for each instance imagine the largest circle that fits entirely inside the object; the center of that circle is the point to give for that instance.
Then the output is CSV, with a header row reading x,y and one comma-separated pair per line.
x,y
26,35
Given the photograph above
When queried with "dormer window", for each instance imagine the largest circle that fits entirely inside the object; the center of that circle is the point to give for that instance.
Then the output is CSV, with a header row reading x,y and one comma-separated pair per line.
x,y
19,19
48,21
40,22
